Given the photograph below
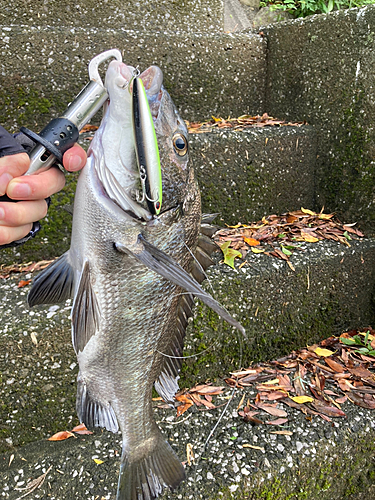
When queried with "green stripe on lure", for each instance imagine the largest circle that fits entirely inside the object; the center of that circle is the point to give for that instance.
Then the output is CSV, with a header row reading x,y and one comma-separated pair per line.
x,y
146,147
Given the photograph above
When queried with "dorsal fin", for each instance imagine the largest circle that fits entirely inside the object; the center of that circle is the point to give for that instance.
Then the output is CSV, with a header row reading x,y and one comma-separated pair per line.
x,y
167,383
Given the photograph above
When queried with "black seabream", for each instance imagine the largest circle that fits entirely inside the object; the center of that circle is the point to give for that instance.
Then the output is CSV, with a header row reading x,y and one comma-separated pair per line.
x,y
132,270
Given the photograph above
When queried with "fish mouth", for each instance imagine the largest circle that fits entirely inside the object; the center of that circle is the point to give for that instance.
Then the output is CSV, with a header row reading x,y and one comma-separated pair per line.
x,y
152,79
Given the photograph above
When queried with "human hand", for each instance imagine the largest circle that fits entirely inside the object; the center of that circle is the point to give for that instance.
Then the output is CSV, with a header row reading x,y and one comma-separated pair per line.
x,y
16,218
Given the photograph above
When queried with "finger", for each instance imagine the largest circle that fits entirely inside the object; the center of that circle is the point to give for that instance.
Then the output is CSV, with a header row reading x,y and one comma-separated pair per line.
x,y
21,213
9,234
10,167
36,187
75,158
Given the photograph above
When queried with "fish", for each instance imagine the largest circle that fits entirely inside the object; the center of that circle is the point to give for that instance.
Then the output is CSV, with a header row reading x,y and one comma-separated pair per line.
x,y
132,274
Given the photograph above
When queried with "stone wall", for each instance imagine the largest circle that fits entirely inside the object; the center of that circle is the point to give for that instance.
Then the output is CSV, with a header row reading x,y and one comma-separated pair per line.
x,y
321,69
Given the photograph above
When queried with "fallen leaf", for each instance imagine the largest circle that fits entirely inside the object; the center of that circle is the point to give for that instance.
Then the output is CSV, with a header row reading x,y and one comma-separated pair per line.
x,y
276,412
341,400
282,433
246,445
278,421
190,453
81,429
251,241
98,461
359,400
61,436
306,211
323,352
329,411
301,399
208,389
33,338
334,365
23,283
229,254
307,237
257,250
360,372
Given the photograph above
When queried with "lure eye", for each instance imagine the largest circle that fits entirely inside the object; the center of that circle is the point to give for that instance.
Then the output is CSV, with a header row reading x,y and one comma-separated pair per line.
x,y
180,144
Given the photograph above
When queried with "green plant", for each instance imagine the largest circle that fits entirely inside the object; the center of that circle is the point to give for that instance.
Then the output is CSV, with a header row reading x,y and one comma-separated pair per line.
x,y
365,344
303,8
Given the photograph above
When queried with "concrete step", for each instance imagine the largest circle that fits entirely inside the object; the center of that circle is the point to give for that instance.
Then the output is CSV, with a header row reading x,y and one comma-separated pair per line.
x,y
242,175
42,69
246,175
330,291
319,461
147,16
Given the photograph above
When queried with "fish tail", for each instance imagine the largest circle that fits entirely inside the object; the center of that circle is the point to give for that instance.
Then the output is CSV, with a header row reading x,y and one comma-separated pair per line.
x,y
144,478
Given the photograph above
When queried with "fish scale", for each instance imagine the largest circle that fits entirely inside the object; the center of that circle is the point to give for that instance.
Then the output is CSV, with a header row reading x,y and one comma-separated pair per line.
x,y
128,273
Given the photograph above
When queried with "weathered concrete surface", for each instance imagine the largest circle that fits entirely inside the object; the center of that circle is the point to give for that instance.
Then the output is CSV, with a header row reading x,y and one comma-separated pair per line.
x,y
320,461
331,290
246,175
42,69
235,18
147,15
321,69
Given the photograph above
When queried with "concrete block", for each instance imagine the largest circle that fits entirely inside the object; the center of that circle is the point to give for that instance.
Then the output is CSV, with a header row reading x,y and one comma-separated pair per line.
x,y
330,291
42,69
145,15
321,69
246,175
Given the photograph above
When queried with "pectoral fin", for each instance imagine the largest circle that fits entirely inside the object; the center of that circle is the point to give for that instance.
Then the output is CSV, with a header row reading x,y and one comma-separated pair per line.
x,y
167,267
85,312
54,284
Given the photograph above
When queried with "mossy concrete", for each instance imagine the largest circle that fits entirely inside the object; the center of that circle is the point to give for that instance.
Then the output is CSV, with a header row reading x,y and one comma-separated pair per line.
x,y
246,175
330,291
147,15
205,73
320,69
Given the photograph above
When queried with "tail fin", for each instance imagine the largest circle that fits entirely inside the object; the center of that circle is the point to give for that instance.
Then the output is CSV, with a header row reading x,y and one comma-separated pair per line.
x,y
145,478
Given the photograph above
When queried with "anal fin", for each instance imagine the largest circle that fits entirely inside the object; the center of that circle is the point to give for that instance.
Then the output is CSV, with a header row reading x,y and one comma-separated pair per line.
x,y
92,412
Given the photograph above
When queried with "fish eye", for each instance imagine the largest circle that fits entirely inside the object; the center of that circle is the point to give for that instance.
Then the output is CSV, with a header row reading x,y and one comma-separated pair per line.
x,y
180,144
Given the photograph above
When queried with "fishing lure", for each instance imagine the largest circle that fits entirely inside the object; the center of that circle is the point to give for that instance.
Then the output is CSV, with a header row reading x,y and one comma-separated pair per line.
x,y
146,148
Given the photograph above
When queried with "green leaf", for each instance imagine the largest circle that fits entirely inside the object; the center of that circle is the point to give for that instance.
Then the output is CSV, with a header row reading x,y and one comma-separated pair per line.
x,y
285,250
346,234
362,350
371,353
346,341
330,5
366,337
281,235
357,340
229,254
